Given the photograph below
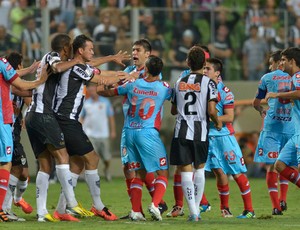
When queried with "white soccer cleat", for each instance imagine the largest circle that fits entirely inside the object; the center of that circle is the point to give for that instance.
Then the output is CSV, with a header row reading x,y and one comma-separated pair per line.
x,y
136,216
155,213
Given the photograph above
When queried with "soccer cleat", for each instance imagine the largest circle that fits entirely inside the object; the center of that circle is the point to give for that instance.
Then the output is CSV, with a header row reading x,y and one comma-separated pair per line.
x,y
155,213
24,205
136,216
13,217
46,218
176,211
283,205
205,207
276,212
79,211
226,213
104,213
193,218
3,217
246,215
162,207
64,217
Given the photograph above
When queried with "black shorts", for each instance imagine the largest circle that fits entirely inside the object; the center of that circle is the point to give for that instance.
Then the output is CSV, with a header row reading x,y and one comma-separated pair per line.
x,y
77,142
19,157
43,129
185,152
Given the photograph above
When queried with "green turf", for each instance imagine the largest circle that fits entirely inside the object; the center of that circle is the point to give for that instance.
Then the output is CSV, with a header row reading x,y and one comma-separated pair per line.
x,y
115,197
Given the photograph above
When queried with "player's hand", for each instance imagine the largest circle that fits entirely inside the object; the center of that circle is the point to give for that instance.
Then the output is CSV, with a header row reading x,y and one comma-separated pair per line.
x,y
44,74
271,95
34,66
219,125
120,57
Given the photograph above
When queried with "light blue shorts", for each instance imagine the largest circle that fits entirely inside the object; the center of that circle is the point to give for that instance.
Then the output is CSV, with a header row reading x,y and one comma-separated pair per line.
x,y
124,154
6,143
145,150
269,146
224,153
290,154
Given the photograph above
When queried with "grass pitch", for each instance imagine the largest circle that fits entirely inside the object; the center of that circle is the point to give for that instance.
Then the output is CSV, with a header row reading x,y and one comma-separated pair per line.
x,y
115,197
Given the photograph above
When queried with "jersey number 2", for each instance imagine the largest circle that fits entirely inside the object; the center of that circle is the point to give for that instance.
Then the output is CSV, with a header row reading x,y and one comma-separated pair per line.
x,y
191,98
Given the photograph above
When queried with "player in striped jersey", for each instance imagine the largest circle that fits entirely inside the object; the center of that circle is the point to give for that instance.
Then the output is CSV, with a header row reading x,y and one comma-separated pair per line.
x,y
289,157
194,102
278,128
146,152
224,154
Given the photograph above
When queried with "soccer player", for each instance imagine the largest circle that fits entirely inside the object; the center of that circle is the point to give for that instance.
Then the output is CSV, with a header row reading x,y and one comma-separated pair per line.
x,y
9,76
288,157
141,50
18,179
224,154
68,104
45,135
278,128
195,97
146,152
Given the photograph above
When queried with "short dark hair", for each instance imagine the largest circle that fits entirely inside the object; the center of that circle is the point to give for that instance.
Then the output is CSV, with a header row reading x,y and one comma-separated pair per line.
x,y
217,63
144,43
80,42
154,65
59,42
196,58
15,59
276,55
292,53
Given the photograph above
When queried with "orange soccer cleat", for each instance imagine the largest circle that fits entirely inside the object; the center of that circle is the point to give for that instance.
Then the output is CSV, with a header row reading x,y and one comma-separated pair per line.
x,y
64,217
104,213
24,205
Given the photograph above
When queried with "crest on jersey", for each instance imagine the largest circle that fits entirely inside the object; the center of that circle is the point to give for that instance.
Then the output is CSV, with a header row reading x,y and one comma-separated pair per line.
x,y
162,161
8,150
226,89
166,84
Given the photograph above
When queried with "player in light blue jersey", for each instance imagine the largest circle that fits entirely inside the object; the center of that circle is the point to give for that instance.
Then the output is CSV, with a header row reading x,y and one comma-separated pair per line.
x,y
289,156
224,154
146,152
278,128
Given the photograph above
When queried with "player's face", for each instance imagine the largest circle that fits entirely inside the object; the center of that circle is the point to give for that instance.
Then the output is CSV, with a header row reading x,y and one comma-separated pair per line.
x,y
139,55
209,71
272,64
285,64
88,51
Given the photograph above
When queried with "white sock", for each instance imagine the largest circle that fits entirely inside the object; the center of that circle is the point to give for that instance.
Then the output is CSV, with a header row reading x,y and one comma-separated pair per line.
x,y
42,184
12,184
64,176
93,180
62,202
21,188
199,183
189,191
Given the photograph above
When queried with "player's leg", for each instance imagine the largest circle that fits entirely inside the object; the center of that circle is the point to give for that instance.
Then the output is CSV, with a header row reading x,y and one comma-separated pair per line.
x,y
272,180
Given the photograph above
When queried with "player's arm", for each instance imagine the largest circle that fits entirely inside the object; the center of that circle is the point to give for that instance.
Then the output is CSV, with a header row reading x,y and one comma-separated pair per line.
x,y
260,94
27,85
286,95
21,93
174,109
112,125
117,58
29,70
228,115
61,66
212,112
102,91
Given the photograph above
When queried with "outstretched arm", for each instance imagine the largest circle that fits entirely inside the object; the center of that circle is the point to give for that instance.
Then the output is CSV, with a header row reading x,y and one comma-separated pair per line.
x,y
117,58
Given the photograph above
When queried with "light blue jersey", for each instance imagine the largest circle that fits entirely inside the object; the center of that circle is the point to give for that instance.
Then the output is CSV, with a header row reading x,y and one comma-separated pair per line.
x,y
278,118
296,107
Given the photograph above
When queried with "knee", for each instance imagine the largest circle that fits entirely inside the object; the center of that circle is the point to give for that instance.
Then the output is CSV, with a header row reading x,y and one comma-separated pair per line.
x,y
279,166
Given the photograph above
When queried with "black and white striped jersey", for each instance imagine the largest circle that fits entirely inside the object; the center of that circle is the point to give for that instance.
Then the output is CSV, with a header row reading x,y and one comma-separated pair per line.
x,y
71,91
191,96
43,95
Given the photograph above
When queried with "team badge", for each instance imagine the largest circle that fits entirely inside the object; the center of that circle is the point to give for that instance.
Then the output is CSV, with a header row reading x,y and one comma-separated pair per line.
x,y
8,150
162,161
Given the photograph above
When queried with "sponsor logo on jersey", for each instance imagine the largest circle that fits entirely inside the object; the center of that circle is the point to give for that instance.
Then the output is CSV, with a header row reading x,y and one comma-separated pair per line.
x,y
260,152
8,67
273,155
229,97
134,165
8,150
136,125
144,92
183,86
226,89
162,161
283,77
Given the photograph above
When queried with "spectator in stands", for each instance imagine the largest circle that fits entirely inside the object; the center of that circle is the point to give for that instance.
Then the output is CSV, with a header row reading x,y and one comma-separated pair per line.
x,y
253,15
18,17
293,7
6,44
221,47
80,28
156,40
112,9
31,40
266,29
254,53
125,24
90,17
279,42
294,33
67,12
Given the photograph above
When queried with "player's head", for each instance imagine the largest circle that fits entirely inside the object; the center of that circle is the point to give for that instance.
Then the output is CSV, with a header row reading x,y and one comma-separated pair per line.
x,y
274,60
15,59
83,47
206,51
61,43
290,58
213,68
141,50
196,58
154,65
